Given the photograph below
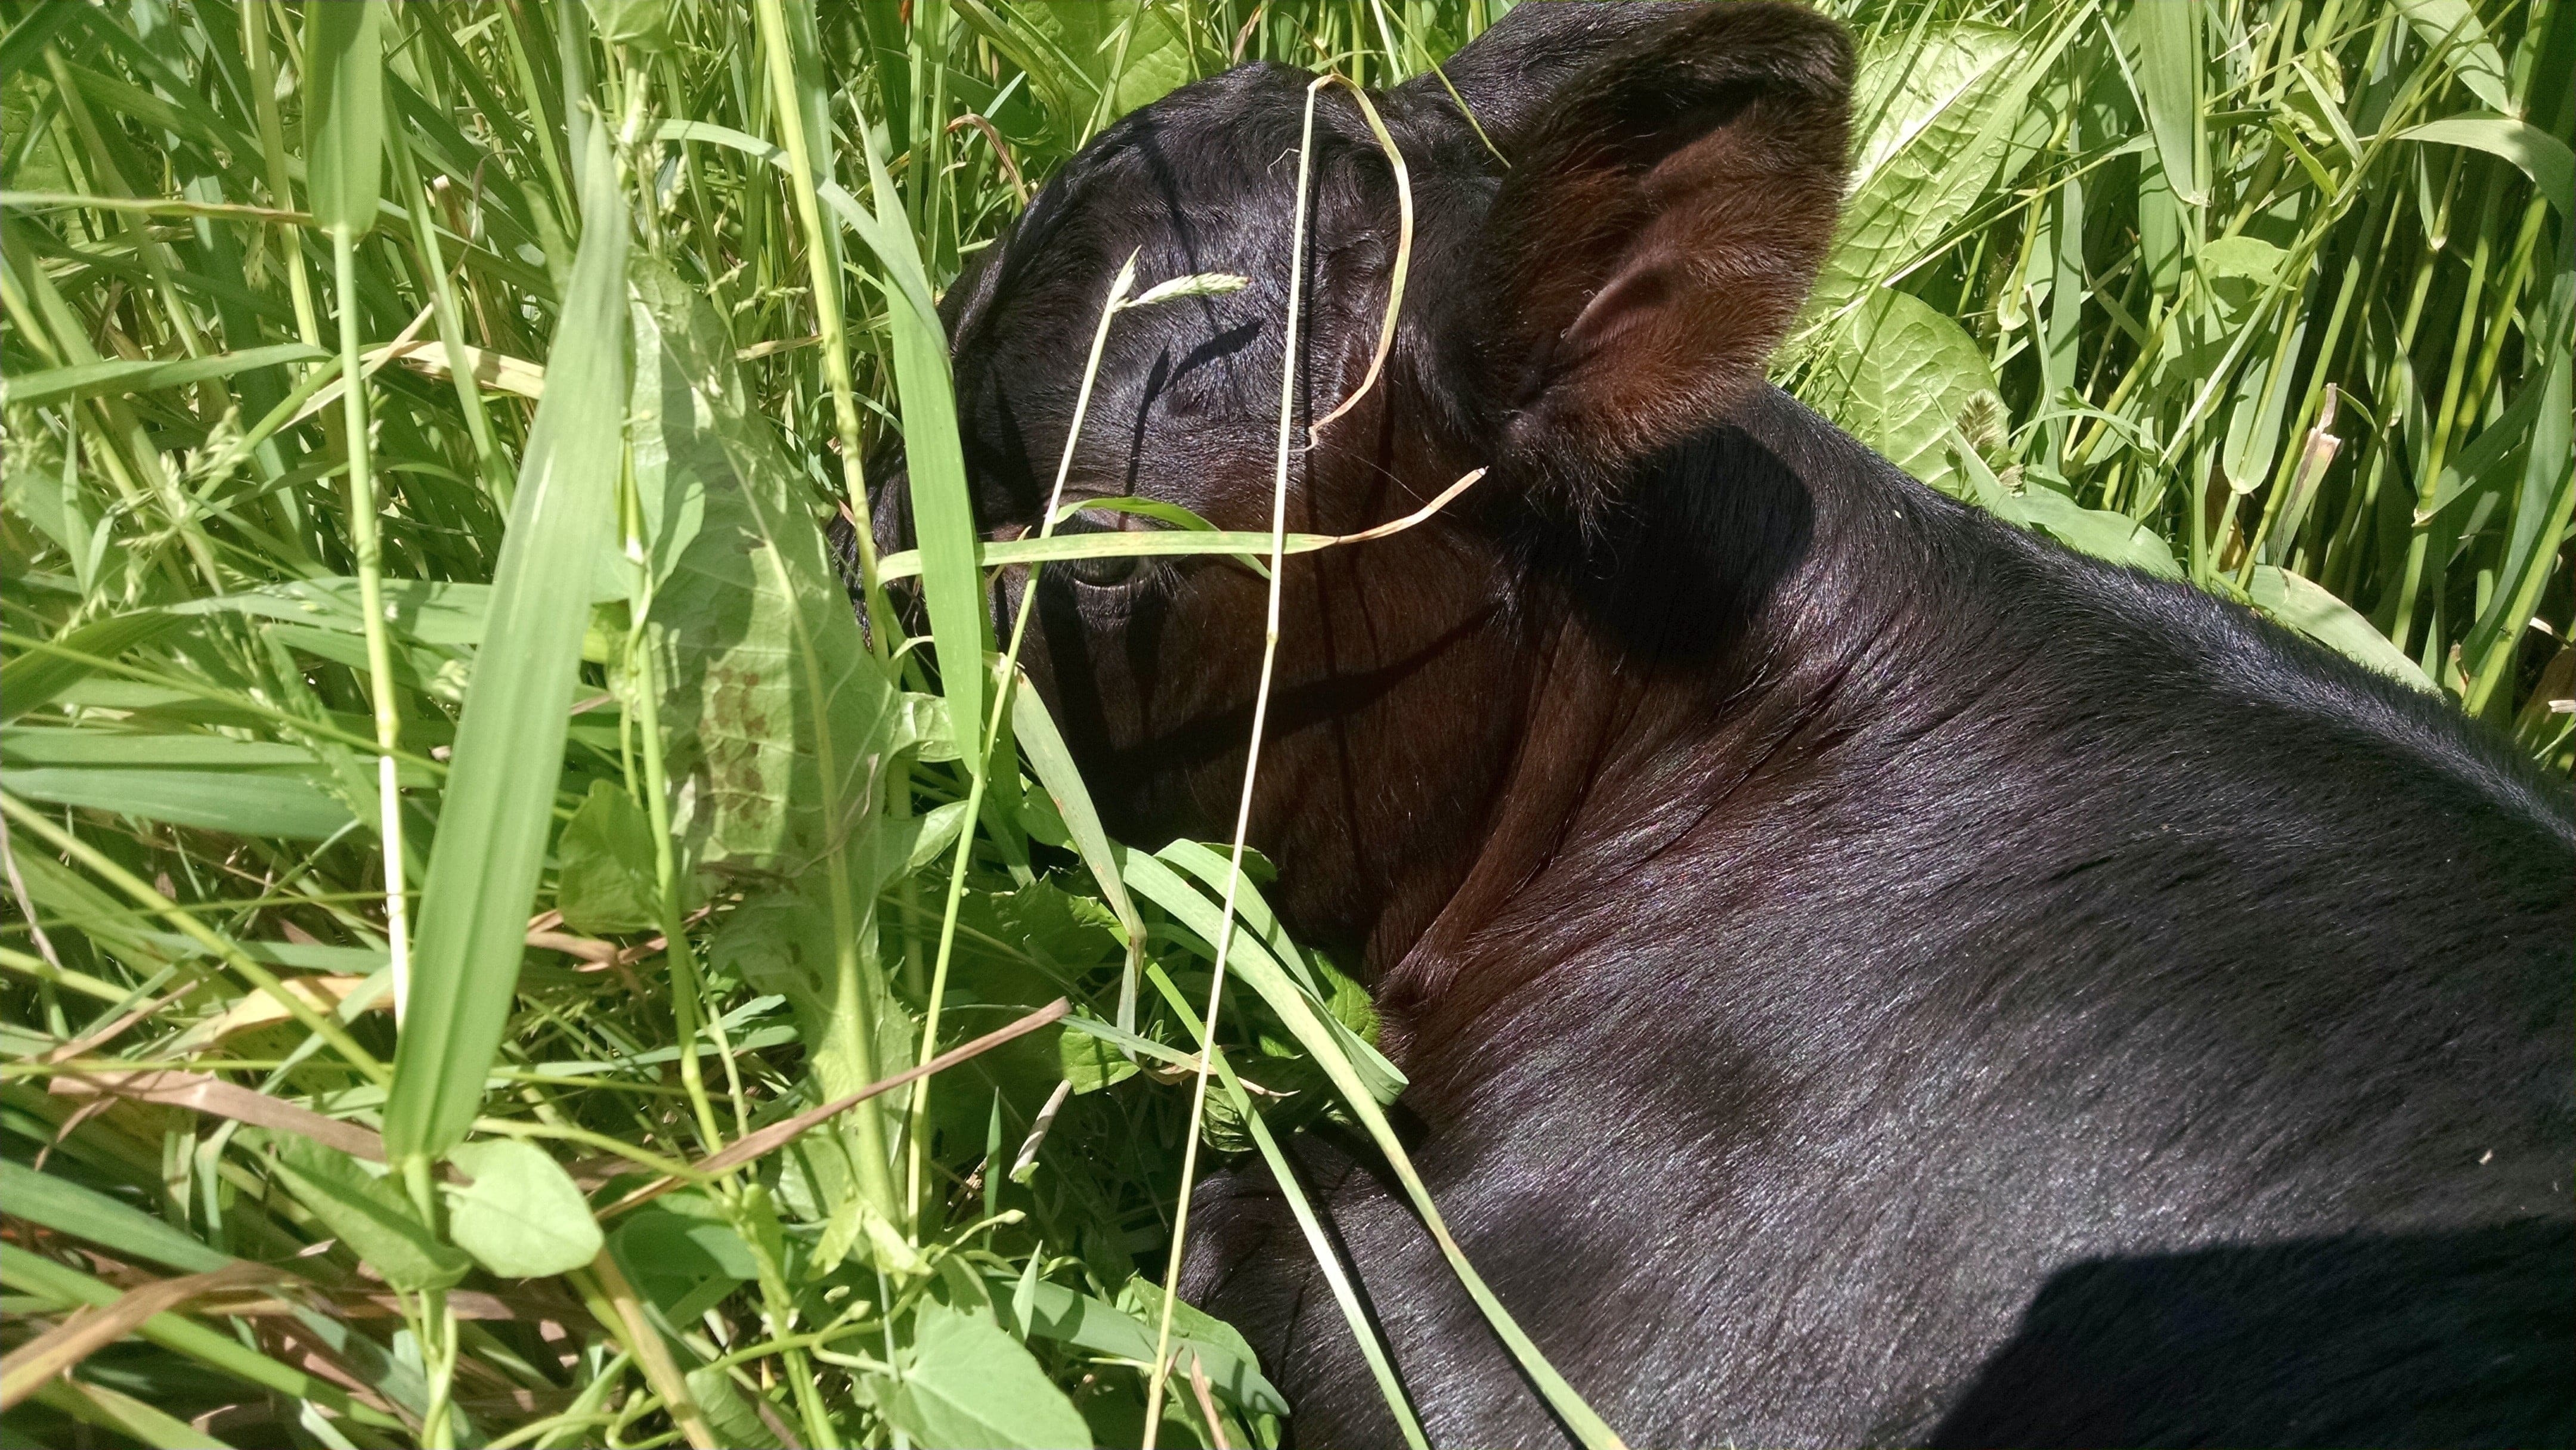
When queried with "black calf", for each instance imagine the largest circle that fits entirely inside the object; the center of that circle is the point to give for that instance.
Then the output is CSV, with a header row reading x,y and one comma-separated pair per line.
x,y
1866,974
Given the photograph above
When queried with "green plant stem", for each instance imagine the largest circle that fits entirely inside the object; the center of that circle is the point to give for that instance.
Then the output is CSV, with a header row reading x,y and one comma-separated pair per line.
x,y
613,1302
1226,929
366,540
829,321
451,325
2423,567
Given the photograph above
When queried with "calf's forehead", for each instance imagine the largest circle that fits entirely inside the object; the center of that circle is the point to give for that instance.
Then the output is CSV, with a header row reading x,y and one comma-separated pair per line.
x,y
1203,181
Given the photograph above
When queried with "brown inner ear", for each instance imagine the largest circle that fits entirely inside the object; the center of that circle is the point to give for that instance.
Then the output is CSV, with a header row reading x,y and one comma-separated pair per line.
x,y
1660,231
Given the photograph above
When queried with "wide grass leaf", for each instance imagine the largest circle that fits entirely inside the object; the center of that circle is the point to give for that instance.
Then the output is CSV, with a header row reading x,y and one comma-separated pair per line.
x,y
66,1207
34,677
2305,606
344,113
243,803
509,744
143,375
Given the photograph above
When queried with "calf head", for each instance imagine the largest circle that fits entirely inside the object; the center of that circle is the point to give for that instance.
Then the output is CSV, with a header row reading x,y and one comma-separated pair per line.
x,y
1605,257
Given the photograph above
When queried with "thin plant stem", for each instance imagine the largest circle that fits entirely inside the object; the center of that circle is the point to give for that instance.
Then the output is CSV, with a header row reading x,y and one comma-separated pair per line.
x,y
367,541
992,735
1226,928
829,321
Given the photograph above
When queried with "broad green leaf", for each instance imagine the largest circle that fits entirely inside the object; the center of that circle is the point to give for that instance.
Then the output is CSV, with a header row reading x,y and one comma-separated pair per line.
x,y
683,362
244,803
1069,1316
2453,25
143,375
2305,606
509,744
643,24
2242,256
370,1214
966,1384
1089,1063
2544,158
1935,106
605,879
783,944
1086,37
654,1242
780,722
1226,1355
521,1218
728,1413
344,113
2099,532
1900,376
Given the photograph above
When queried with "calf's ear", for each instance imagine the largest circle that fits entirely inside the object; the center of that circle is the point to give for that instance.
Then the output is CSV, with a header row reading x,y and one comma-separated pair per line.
x,y
1661,222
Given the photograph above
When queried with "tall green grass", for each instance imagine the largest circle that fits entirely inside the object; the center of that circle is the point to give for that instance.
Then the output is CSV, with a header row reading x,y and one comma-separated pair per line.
x,y
479,905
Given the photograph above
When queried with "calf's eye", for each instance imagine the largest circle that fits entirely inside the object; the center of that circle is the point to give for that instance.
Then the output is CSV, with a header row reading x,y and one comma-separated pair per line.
x,y
1108,573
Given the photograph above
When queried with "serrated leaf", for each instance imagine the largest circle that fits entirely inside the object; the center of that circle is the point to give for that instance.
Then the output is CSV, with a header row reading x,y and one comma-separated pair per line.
x,y
1934,136
521,1217
1086,35
1089,1063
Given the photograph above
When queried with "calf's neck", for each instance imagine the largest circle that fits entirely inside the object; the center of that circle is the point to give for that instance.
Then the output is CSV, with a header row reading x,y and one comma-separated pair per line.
x,y
1865,974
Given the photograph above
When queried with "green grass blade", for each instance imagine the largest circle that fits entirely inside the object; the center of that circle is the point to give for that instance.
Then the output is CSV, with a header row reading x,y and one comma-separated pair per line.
x,y
509,742
1051,760
66,1207
29,680
143,375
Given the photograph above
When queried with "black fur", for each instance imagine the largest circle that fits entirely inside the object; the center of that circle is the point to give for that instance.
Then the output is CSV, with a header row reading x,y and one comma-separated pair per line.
x,y
1867,975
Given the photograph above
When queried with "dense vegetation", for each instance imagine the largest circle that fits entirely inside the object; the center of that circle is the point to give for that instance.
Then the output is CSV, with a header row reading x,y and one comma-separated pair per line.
x,y
446,877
